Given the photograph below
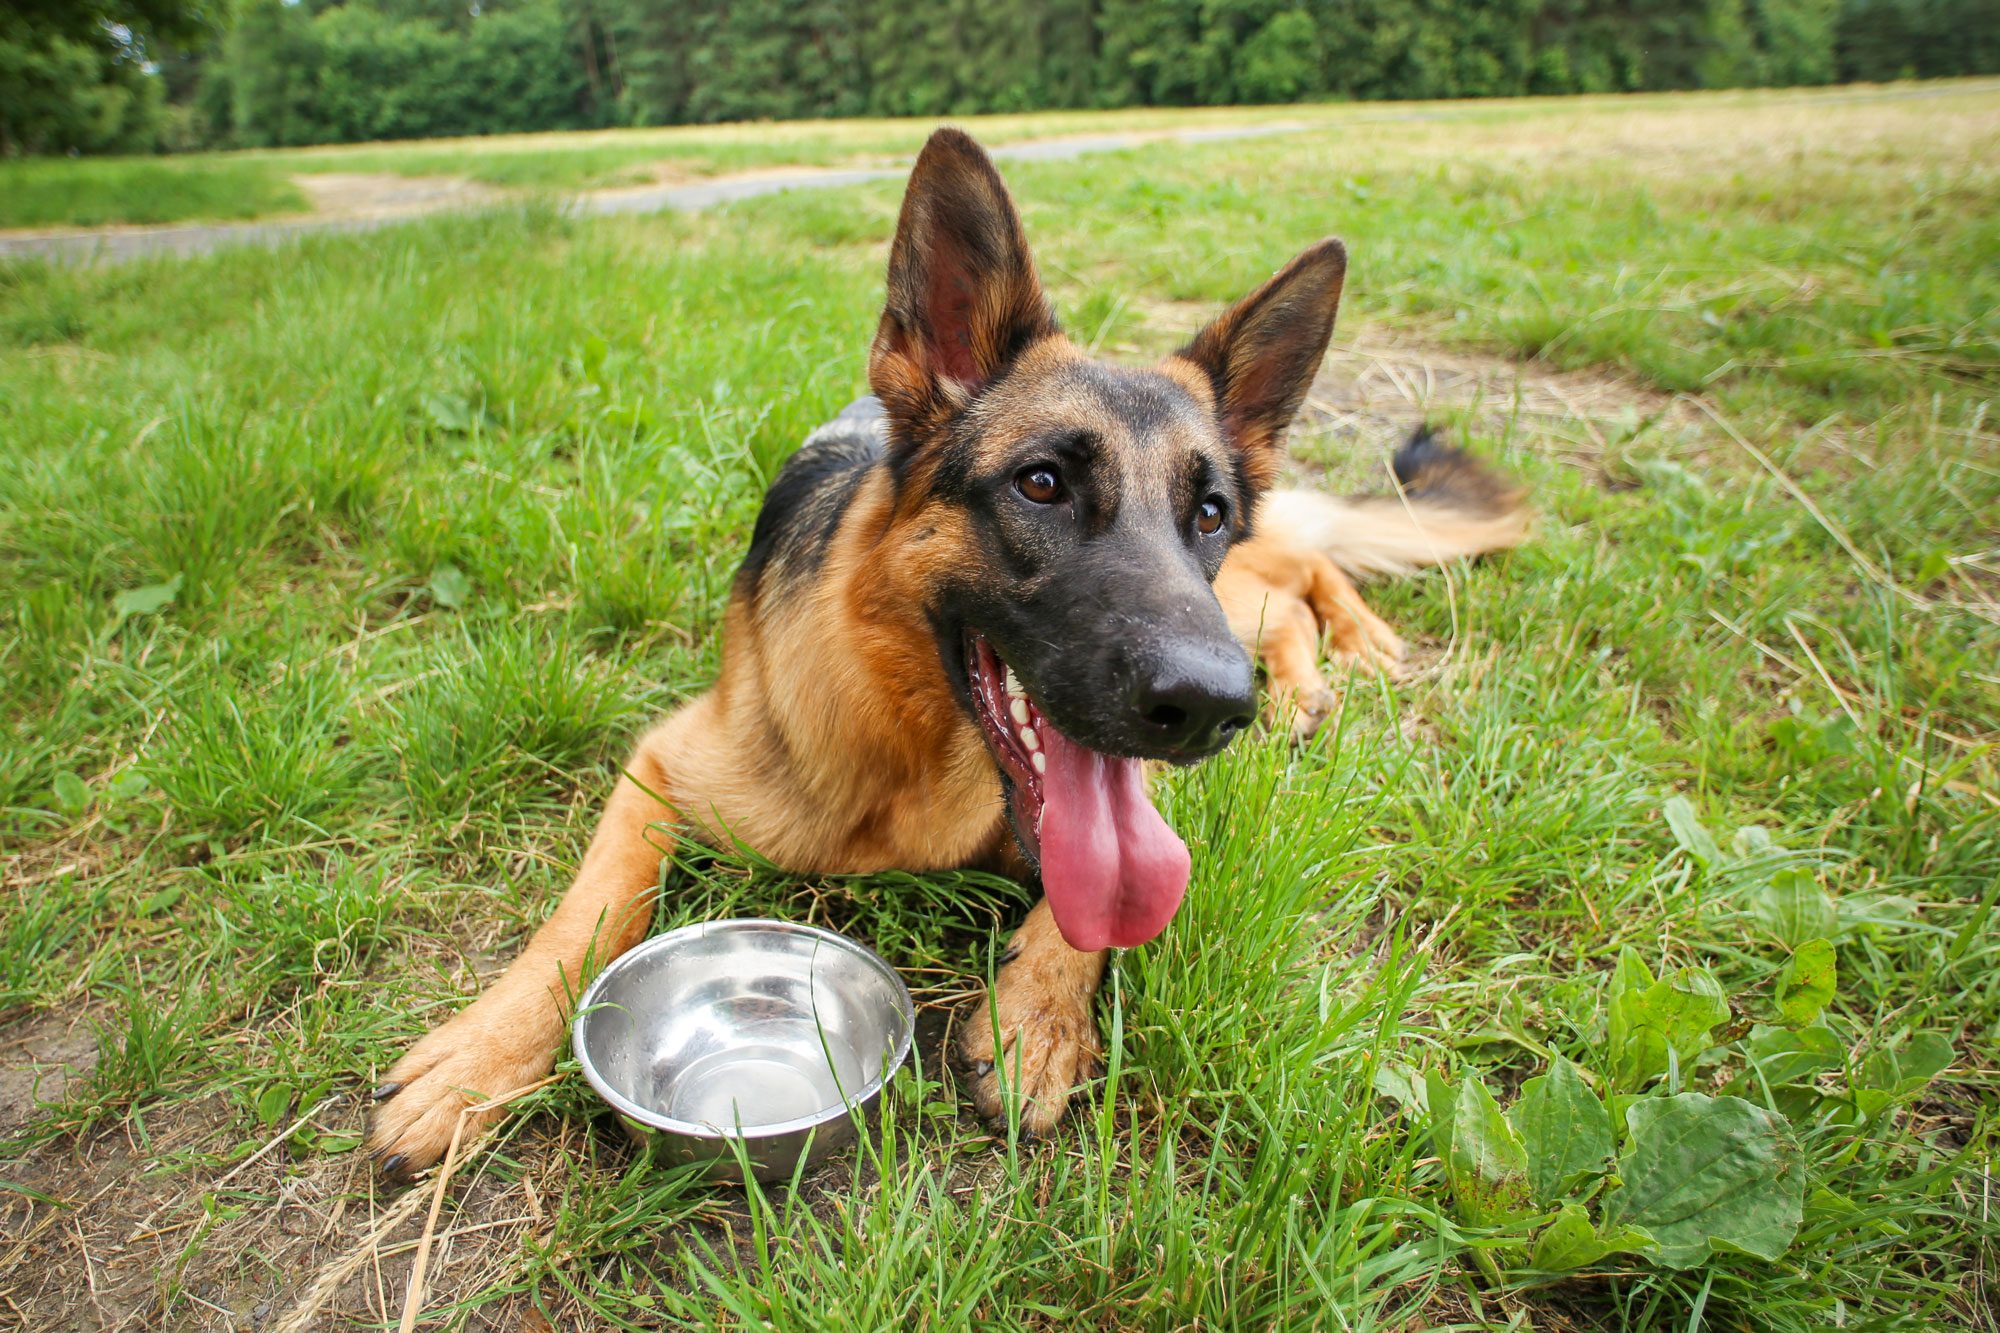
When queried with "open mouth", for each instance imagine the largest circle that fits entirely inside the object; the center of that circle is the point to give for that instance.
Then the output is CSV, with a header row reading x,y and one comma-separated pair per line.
x,y
1113,871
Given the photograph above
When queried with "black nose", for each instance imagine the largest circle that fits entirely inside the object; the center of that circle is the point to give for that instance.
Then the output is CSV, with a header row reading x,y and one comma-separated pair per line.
x,y
1195,697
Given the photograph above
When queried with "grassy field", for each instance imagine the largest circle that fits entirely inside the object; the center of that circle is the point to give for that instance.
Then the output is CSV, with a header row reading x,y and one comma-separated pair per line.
x,y
337,578
229,186
92,192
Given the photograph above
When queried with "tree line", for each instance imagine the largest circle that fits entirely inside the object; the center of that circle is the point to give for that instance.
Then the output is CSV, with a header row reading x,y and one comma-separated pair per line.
x,y
174,75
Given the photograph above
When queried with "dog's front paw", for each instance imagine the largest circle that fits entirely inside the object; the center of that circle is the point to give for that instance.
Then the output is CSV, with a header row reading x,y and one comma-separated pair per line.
x,y
1365,640
1300,712
473,1058
1048,1048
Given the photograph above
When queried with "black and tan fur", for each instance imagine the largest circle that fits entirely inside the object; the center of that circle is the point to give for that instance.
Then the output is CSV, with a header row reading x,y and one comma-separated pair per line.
x,y
839,737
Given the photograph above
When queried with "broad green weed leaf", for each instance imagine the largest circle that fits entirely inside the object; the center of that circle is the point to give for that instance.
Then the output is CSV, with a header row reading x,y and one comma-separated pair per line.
x,y
1564,1129
72,794
1795,908
1877,913
449,412
272,1104
1695,840
450,587
1891,1075
1805,984
146,601
1631,973
1403,1086
1486,1162
1629,978
1924,1057
1443,1102
1572,1242
1752,841
1667,1022
127,785
1702,1172
1790,1055
1568,1242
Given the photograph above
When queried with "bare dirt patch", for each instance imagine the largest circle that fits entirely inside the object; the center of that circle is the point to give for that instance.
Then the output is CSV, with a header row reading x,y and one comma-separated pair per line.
x,y
1404,381
1388,381
356,194
647,194
39,1058
139,1240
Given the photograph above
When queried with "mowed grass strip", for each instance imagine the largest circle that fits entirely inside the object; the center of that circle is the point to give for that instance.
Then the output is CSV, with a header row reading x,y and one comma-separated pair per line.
x,y
337,579
96,192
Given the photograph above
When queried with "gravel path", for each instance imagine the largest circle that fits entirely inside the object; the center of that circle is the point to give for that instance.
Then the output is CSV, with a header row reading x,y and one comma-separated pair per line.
x,y
115,243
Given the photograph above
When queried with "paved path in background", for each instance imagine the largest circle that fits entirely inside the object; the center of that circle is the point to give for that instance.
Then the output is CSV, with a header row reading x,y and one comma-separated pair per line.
x,y
200,238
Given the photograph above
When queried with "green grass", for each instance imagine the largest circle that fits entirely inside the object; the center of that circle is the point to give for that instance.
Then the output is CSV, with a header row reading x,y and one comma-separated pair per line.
x,y
338,578
93,192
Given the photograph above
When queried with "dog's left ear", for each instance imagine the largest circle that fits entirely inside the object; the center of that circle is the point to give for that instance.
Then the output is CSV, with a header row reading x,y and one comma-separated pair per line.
x,y
963,297
1261,355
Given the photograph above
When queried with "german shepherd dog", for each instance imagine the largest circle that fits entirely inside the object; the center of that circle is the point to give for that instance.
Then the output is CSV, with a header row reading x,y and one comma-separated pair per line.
x,y
974,607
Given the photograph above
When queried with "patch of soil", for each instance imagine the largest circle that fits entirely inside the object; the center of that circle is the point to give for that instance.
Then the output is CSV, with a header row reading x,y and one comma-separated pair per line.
x,y
1405,382
677,173
356,194
1373,392
165,1221
1378,387
39,1058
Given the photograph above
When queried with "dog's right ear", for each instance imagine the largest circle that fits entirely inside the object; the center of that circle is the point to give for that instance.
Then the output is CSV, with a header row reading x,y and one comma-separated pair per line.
x,y
964,299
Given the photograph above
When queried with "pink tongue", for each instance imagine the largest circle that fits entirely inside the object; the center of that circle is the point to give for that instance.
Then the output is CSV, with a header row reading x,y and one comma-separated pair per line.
x,y
1112,869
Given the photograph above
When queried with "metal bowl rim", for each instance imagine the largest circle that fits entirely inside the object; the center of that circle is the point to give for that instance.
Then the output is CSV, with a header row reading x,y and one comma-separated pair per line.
x,y
856,1101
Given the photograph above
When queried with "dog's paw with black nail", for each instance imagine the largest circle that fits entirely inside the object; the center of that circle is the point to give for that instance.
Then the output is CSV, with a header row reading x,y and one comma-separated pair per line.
x,y
1048,1049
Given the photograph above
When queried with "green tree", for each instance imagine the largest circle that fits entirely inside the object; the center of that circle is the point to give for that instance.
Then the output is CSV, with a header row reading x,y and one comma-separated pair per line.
x,y
90,75
75,75
1282,61
1795,40
58,95
274,59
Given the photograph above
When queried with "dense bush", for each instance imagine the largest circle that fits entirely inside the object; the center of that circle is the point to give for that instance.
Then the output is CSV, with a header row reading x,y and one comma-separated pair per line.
x,y
70,92
356,72
174,74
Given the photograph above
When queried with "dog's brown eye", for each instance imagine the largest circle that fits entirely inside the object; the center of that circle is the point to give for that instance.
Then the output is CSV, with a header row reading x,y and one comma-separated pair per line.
x,y
1208,519
1040,484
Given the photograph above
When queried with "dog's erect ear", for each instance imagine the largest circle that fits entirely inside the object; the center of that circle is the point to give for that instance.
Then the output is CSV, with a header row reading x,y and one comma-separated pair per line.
x,y
1263,352
963,296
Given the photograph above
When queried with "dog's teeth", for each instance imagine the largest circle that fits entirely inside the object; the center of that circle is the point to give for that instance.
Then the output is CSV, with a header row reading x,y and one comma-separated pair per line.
x,y
1014,690
1018,710
1041,761
1030,739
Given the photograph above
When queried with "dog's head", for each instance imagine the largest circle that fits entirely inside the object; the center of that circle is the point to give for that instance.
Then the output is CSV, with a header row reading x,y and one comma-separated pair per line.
x,y
1085,509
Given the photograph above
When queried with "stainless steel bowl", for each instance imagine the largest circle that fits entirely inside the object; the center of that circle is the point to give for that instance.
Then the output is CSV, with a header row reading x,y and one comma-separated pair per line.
x,y
777,1035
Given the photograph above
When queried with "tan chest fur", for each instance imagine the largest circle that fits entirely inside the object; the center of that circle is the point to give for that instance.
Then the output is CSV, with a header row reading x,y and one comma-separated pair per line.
x,y
832,741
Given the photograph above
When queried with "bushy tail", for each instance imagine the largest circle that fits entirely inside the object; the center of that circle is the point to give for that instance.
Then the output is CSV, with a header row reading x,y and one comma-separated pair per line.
x,y
1451,505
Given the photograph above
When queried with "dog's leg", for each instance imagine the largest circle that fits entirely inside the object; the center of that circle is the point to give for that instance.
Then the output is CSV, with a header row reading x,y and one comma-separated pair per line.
x,y
1261,588
1296,695
1354,633
507,1038
1042,1006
